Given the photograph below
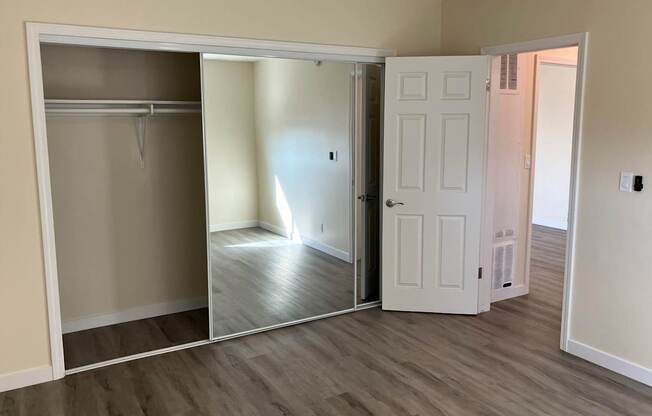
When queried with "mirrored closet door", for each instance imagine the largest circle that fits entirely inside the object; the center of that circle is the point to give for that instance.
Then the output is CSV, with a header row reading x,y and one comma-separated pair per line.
x,y
279,163
124,133
369,143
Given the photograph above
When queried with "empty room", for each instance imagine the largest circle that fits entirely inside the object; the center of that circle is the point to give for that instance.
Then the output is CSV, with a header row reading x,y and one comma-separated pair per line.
x,y
433,207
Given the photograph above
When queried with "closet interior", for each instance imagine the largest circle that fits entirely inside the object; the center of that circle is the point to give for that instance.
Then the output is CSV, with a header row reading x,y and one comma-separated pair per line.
x,y
198,197
126,168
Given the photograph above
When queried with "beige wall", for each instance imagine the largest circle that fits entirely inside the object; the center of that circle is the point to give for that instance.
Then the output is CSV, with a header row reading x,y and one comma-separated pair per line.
x,y
612,276
127,236
375,23
303,112
230,142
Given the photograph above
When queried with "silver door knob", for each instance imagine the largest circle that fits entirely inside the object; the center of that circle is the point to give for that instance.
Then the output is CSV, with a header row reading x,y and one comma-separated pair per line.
x,y
390,203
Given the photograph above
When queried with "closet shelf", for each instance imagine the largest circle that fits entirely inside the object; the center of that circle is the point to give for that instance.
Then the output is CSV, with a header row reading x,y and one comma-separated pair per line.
x,y
121,107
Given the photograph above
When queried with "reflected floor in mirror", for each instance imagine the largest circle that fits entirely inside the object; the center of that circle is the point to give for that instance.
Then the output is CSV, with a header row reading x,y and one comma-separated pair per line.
x,y
262,279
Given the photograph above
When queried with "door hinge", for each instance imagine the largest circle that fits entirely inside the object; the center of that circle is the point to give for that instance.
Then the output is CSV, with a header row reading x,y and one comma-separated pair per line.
x,y
488,84
479,272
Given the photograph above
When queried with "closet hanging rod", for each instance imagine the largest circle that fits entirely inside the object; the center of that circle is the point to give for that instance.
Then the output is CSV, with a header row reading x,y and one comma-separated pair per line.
x,y
134,107
133,102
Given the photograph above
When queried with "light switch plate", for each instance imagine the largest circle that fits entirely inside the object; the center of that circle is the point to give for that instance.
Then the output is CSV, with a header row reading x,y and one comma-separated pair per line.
x,y
626,181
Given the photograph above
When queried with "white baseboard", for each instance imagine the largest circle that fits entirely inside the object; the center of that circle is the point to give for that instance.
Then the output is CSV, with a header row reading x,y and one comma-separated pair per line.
x,y
233,225
24,378
508,292
611,362
133,314
325,248
274,228
560,225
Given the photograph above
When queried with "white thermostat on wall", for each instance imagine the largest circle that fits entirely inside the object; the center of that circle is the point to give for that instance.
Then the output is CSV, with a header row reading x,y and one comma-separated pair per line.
x,y
626,181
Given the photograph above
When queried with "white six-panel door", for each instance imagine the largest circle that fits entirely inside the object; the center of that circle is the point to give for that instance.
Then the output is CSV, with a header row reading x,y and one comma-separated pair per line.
x,y
433,158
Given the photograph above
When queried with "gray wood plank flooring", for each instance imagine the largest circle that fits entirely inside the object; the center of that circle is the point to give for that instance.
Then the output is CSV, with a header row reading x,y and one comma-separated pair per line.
x,y
128,338
505,362
262,279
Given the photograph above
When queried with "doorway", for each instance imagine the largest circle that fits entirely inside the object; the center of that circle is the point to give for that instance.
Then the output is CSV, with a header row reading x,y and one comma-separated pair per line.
x,y
530,174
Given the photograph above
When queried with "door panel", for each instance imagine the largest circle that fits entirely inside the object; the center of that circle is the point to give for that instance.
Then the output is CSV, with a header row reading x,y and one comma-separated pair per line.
x,y
411,149
434,147
451,231
455,151
409,250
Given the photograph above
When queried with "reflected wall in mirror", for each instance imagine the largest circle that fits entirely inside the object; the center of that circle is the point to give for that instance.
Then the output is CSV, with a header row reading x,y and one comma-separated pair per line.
x,y
278,160
370,90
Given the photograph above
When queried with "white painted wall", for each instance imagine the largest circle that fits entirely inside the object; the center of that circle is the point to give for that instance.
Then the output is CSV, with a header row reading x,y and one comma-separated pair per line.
x,y
303,113
553,134
230,144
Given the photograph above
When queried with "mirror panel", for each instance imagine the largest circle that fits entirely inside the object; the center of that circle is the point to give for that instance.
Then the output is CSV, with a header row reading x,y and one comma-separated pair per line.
x,y
278,136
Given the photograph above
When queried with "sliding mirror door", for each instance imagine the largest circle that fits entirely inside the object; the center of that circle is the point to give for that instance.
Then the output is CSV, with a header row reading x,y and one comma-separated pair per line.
x,y
278,137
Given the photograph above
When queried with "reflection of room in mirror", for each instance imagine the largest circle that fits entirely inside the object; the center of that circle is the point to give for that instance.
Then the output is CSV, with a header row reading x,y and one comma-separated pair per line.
x,y
278,151
261,278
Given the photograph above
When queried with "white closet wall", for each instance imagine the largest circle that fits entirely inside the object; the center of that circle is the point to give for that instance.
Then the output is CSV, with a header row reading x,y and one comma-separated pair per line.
x,y
128,237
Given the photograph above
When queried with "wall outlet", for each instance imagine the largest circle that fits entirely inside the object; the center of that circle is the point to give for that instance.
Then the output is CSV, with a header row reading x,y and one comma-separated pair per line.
x,y
626,181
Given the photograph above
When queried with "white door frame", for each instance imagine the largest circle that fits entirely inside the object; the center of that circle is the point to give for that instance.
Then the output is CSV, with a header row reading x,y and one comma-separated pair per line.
x,y
581,41
38,33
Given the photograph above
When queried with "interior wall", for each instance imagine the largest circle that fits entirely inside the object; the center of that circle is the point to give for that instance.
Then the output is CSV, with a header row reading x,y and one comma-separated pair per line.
x,y
554,140
230,143
303,112
611,276
413,30
127,236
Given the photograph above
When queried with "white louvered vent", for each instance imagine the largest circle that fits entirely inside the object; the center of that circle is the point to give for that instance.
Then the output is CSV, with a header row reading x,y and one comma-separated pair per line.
x,y
509,72
503,264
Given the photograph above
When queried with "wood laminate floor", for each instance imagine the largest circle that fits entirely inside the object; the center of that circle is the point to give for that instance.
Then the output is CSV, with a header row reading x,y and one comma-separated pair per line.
x,y
262,279
128,338
505,362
